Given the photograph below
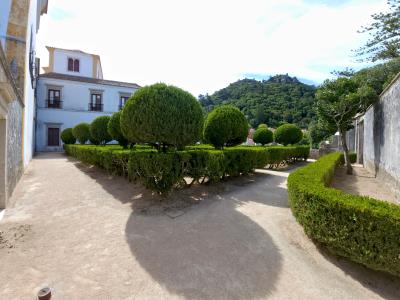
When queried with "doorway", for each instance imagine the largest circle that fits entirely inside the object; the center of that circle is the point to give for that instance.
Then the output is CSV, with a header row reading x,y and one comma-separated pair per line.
x,y
53,137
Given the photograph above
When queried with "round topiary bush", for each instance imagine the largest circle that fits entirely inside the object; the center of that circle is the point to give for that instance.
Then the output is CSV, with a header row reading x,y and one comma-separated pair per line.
x,y
162,115
288,134
263,136
225,126
114,129
99,131
81,132
262,126
67,137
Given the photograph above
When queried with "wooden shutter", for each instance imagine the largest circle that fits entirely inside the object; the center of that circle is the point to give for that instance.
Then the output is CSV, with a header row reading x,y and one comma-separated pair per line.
x,y
53,137
70,64
76,65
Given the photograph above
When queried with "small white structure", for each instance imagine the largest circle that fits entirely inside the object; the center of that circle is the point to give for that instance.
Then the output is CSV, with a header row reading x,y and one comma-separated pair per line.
x,y
72,90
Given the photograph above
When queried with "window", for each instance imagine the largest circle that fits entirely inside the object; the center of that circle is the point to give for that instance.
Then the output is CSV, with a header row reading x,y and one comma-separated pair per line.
x,y
73,65
122,101
53,98
53,137
96,102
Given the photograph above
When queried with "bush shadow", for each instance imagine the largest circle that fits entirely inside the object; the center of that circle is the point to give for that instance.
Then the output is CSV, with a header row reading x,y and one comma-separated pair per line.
x,y
211,252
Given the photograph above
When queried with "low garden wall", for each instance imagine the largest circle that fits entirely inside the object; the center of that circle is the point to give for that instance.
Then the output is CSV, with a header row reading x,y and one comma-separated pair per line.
x,y
360,228
162,171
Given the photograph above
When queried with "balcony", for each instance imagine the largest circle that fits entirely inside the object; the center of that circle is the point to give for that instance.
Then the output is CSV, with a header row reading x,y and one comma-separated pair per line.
x,y
95,106
53,104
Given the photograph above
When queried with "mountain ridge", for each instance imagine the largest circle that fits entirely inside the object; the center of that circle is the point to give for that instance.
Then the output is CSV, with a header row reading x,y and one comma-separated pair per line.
x,y
280,99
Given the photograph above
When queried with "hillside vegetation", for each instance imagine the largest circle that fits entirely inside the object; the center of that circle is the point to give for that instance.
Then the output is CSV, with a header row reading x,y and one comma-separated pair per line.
x,y
280,99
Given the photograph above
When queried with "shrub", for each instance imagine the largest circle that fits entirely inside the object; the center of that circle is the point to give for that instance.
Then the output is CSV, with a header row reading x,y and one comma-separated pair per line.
x,y
162,115
162,171
99,131
359,228
288,134
93,141
306,140
81,132
262,126
114,129
67,137
225,126
263,136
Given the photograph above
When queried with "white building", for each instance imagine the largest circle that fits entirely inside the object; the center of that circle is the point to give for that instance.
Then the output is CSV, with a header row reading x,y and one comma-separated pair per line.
x,y
72,90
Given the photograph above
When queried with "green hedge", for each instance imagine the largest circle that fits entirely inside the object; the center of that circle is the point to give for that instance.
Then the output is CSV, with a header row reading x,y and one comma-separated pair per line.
x,y
163,171
359,228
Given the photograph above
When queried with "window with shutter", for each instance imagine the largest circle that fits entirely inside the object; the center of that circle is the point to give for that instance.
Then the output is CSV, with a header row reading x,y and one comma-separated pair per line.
x,y
70,64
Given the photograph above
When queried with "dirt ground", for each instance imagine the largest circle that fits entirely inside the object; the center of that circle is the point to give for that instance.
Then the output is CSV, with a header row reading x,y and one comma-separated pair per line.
x,y
88,235
362,182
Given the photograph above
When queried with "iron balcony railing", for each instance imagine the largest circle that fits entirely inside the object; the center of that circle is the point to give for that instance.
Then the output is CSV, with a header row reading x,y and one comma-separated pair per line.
x,y
53,103
96,106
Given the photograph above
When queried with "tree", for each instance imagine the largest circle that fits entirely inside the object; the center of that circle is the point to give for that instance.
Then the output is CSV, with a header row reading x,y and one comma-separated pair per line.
x,y
338,102
225,126
81,132
288,134
99,131
319,132
384,31
280,99
67,137
114,129
263,135
163,116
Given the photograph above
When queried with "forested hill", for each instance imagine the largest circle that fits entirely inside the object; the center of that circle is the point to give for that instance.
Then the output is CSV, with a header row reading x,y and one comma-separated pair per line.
x,y
277,100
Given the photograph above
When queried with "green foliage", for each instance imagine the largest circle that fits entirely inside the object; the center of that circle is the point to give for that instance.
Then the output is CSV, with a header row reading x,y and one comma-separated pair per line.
x,y
263,135
379,76
385,35
99,130
262,126
114,129
352,157
287,134
318,132
306,140
225,126
359,228
161,172
81,132
339,101
111,157
67,137
163,115
276,101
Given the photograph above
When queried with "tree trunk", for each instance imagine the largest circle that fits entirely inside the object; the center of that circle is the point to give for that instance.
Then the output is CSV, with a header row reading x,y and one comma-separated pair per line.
x,y
347,162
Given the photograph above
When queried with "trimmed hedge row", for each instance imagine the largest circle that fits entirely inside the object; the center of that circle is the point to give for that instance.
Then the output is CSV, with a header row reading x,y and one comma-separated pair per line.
x,y
162,171
359,228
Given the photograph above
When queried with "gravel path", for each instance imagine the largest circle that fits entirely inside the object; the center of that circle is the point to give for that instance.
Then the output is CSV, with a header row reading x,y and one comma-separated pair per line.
x,y
91,236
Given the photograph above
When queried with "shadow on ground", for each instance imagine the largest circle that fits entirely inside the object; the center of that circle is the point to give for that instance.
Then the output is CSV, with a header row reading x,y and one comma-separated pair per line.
x,y
215,251
211,252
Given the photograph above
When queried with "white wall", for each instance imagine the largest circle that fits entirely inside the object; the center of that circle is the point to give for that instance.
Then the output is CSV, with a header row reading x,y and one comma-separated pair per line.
x,y
29,101
75,96
61,63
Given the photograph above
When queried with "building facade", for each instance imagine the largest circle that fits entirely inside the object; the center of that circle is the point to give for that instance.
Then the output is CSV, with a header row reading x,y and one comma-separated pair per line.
x,y
19,23
71,91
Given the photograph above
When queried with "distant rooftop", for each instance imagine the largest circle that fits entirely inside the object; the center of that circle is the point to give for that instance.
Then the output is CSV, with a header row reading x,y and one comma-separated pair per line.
x,y
89,80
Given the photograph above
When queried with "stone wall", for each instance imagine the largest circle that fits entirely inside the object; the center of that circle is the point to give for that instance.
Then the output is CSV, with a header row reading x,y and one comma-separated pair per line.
x,y
14,145
382,137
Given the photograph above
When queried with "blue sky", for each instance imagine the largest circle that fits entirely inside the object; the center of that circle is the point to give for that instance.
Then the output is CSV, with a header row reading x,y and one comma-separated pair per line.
x,y
202,46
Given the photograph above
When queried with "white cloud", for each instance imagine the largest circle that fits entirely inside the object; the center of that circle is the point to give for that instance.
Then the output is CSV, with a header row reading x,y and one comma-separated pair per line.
x,y
203,45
